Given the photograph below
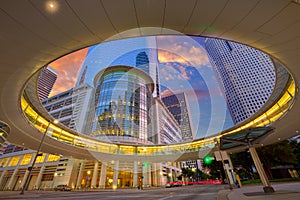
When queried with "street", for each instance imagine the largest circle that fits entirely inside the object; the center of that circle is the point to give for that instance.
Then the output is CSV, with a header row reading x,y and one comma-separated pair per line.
x,y
207,192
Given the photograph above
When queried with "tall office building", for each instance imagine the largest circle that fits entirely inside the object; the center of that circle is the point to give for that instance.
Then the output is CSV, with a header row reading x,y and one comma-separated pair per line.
x,y
177,104
71,107
245,74
122,103
147,60
46,81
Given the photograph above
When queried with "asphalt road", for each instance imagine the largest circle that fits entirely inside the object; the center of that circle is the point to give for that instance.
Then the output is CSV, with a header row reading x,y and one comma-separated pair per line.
x,y
207,192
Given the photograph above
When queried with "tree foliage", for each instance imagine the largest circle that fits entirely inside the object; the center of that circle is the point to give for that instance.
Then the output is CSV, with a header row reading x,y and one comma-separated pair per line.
x,y
282,153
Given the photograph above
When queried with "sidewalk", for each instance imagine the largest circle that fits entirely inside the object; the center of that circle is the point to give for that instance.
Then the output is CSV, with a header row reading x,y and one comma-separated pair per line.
x,y
282,191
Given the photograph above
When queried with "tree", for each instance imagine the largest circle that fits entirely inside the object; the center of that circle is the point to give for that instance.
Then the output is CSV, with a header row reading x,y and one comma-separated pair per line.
x,y
297,153
216,169
281,153
243,164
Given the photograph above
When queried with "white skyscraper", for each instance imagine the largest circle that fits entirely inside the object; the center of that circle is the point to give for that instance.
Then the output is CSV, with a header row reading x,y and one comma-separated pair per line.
x,y
246,75
71,107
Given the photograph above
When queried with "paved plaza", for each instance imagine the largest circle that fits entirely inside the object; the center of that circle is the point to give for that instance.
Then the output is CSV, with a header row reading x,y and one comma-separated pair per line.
x,y
290,191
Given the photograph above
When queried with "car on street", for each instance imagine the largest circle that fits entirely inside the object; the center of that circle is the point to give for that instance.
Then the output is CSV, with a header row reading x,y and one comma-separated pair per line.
x,y
62,188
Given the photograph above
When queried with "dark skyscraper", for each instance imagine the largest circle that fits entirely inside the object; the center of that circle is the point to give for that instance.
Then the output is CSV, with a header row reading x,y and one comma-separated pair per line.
x,y
177,104
142,62
46,81
148,62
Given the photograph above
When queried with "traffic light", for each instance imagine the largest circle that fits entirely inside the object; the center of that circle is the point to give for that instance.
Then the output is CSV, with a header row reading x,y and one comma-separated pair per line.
x,y
208,160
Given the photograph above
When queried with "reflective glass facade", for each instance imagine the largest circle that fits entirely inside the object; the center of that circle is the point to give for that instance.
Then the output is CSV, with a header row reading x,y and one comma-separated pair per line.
x,y
123,100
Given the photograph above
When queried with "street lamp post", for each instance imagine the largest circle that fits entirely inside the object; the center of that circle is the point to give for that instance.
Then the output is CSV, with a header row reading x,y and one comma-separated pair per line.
x,y
223,163
34,160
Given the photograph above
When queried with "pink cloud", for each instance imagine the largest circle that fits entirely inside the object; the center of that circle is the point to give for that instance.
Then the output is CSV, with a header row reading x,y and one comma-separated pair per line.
x,y
68,69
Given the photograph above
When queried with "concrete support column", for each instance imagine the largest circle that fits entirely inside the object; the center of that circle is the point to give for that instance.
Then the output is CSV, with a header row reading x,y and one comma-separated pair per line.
x,y
9,185
135,173
10,182
145,174
24,179
262,174
79,177
162,178
149,175
39,178
95,175
170,174
116,173
2,176
155,181
230,169
103,175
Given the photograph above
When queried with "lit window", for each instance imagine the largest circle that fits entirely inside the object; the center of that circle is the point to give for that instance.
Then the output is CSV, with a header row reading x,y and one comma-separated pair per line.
x,y
14,161
40,159
53,158
4,162
26,159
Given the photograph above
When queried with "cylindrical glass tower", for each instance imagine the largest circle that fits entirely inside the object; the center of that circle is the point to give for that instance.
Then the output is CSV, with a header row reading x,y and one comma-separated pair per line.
x,y
123,102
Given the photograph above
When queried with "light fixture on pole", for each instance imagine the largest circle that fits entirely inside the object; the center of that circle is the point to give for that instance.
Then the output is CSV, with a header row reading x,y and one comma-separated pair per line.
x,y
34,160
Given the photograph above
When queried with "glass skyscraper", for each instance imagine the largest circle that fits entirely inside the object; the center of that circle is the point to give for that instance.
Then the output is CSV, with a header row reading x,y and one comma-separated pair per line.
x,y
246,75
177,104
123,100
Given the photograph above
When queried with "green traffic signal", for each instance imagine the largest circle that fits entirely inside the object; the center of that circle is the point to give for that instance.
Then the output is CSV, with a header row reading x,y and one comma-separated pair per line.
x,y
208,160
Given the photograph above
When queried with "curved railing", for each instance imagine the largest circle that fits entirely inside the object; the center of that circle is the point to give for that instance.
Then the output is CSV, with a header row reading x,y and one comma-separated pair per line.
x,y
283,103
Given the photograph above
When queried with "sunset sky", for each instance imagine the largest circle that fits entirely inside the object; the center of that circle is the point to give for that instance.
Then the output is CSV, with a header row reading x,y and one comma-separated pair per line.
x,y
183,66
68,68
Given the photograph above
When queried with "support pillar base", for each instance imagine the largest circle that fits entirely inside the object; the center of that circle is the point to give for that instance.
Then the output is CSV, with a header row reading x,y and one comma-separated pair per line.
x,y
269,189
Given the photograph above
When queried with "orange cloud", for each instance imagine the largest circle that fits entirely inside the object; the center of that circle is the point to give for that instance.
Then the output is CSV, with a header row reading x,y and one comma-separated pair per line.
x,y
68,68
165,56
181,49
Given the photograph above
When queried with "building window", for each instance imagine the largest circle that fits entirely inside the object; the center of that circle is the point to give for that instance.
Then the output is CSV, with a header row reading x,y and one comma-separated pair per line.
x,y
14,161
52,158
26,159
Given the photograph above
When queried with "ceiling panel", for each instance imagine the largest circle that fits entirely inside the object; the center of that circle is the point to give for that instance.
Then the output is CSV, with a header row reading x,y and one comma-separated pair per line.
x,y
286,46
286,36
121,13
203,16
16,34
65,21
261,14
30,20
177,13
282,20
233,13
94,17
150,12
